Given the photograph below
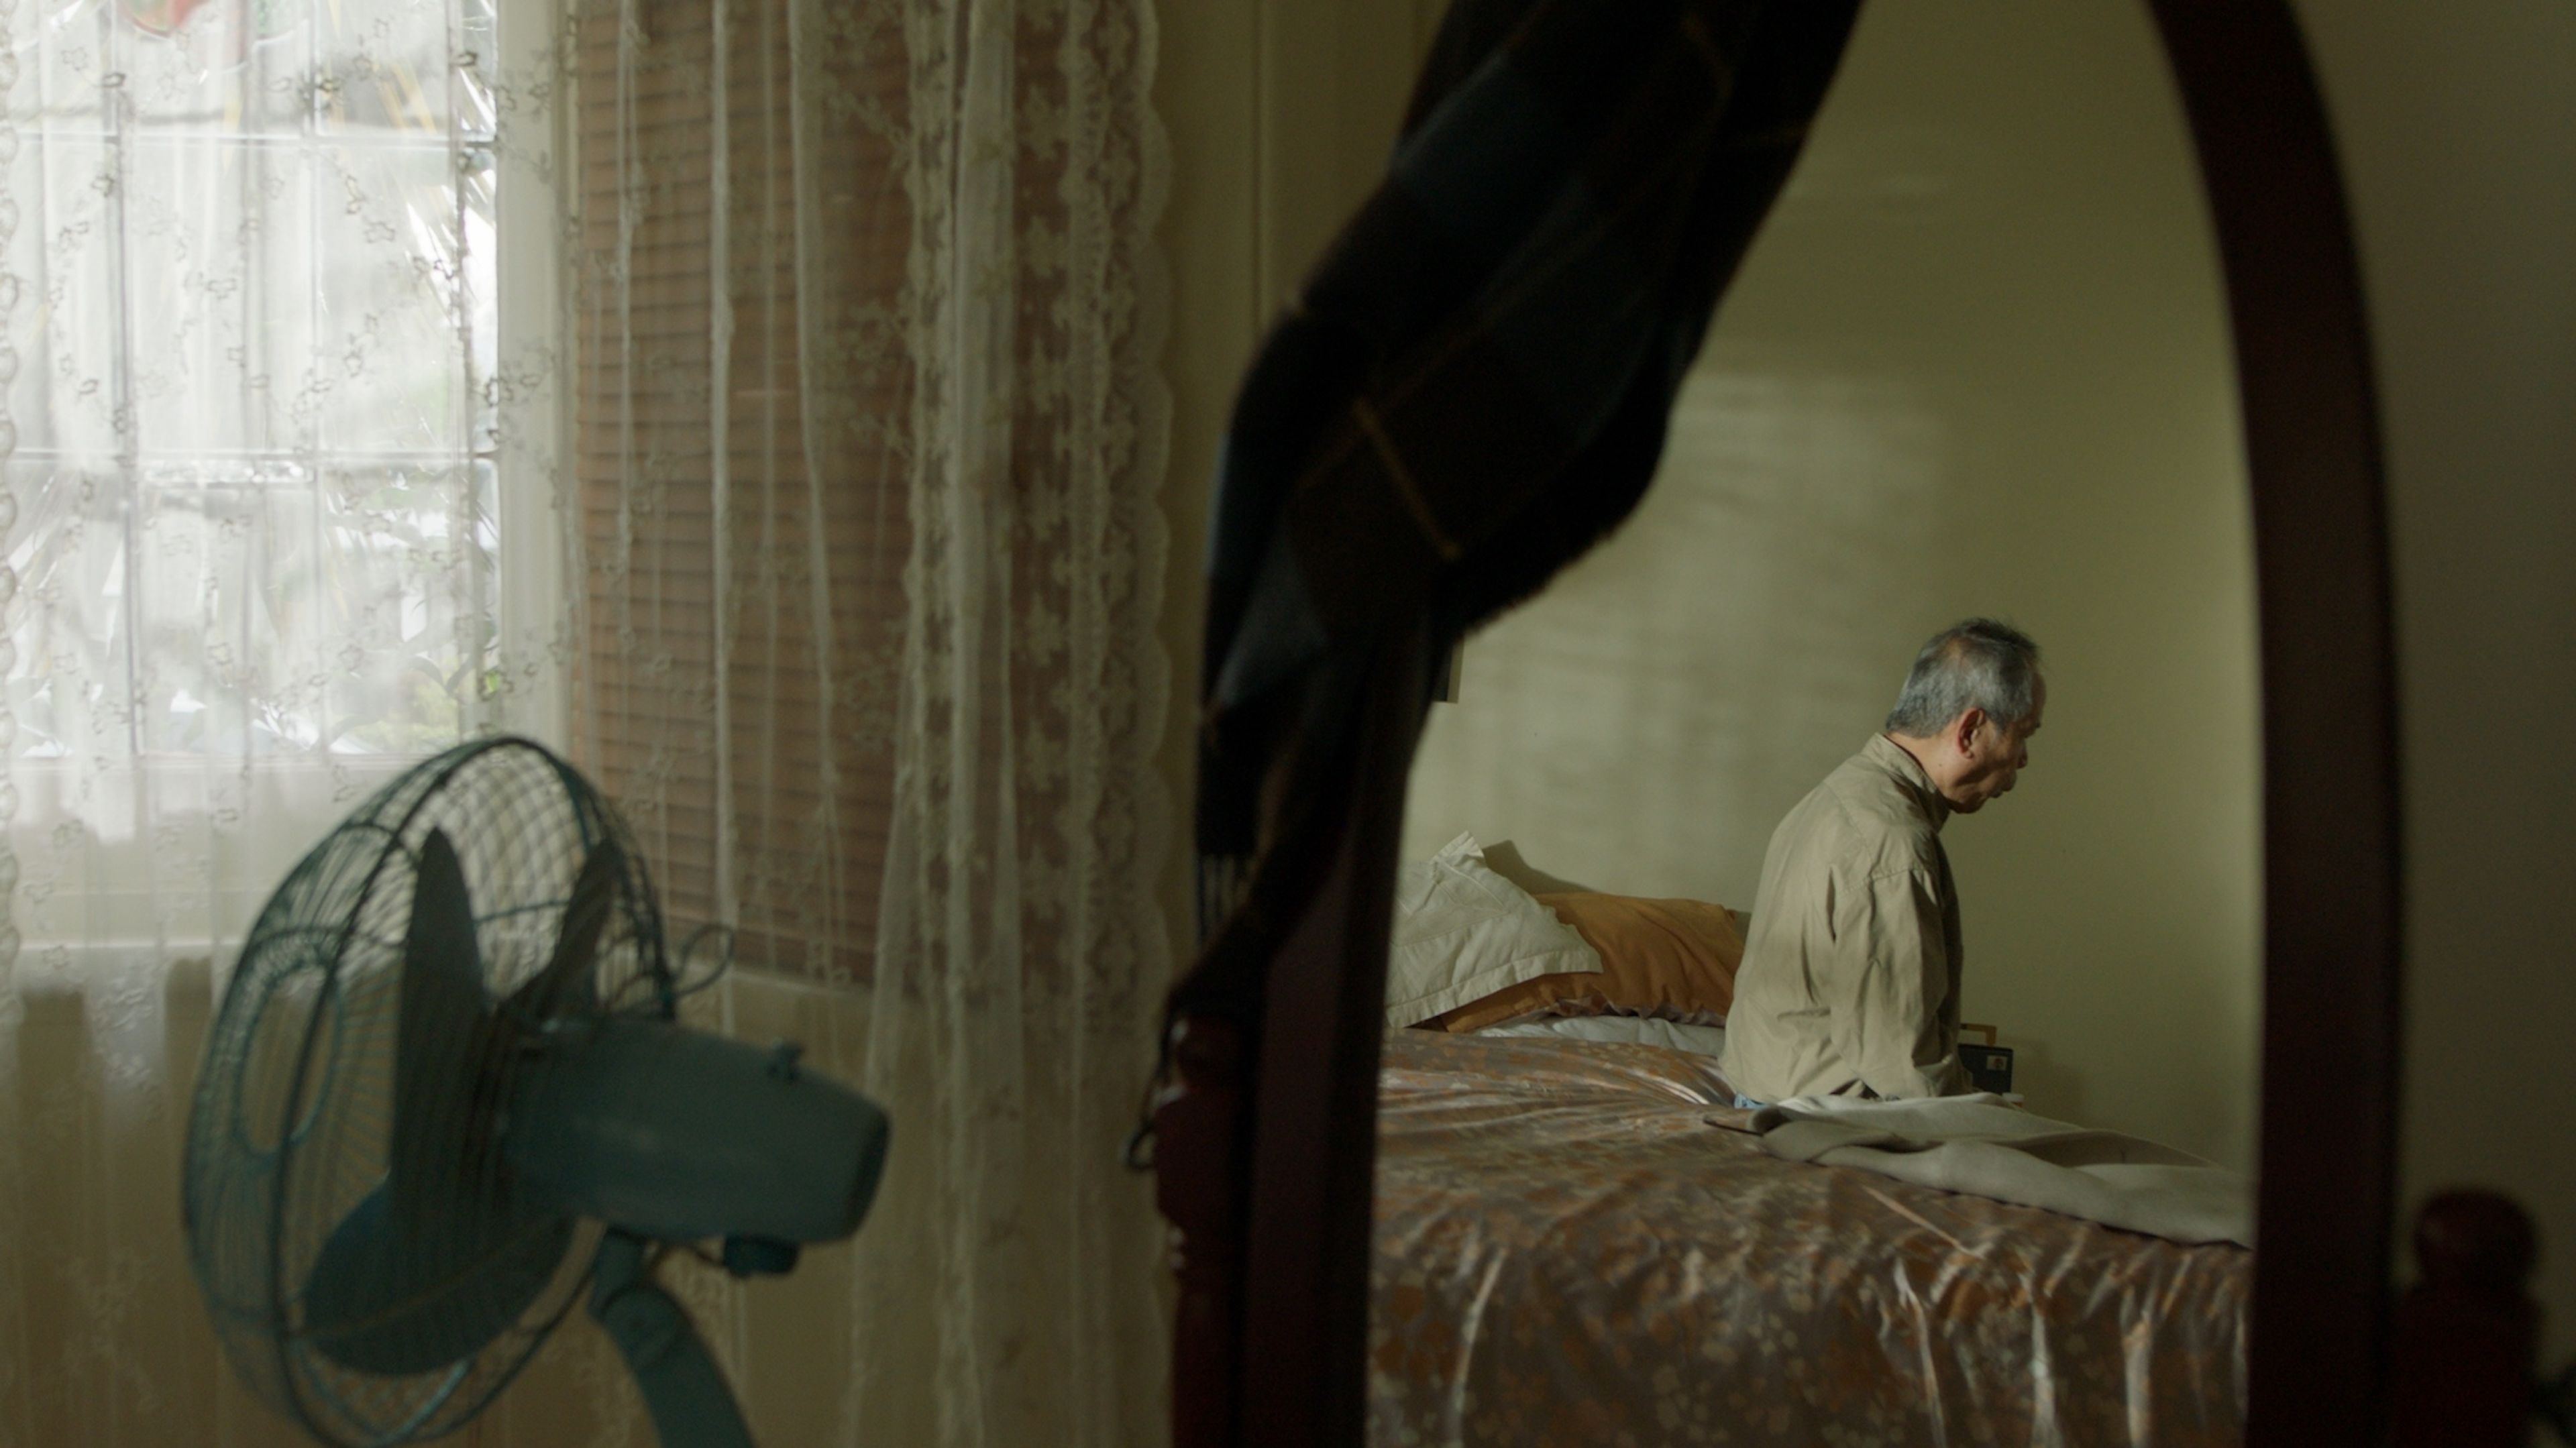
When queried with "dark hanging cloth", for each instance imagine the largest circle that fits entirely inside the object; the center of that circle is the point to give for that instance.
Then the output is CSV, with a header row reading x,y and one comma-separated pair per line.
x,y
1471,389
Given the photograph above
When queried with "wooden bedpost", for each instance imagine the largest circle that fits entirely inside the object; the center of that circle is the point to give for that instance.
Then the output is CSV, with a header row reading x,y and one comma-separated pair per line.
x,y
2467,1329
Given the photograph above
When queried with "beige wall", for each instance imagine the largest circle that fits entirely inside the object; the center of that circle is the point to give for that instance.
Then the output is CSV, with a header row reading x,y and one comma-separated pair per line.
x,y
1977,363
1280,114
2457,126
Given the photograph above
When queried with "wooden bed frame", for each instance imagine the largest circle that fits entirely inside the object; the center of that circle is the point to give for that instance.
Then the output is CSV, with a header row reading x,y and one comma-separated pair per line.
x,y
1266,1148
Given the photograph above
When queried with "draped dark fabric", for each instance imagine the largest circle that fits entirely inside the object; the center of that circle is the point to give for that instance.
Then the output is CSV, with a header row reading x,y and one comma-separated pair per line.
x,y
1471,388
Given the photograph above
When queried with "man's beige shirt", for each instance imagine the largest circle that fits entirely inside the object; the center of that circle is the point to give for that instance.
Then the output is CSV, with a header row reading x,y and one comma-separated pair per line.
x,y
1850,980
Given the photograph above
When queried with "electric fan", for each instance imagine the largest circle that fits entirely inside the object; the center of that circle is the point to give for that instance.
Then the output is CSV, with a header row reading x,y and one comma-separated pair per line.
x,y
445,1091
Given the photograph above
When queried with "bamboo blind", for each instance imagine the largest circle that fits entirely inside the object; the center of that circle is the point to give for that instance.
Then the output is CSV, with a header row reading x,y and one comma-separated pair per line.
x,y
743,540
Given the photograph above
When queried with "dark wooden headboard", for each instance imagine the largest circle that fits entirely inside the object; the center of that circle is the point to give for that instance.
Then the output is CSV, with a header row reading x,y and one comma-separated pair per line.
x,y
1266,1128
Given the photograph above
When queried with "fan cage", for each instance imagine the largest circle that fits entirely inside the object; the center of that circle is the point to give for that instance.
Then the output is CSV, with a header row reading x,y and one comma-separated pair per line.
x,y
294,1110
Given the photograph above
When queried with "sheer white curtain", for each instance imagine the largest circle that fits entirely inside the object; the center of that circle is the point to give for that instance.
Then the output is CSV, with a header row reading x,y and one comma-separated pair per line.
x,y
755,397
1020,944
869,319
253,363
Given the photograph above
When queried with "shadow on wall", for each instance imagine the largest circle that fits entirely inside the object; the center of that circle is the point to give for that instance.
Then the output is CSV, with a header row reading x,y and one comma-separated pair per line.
x,y
1508,862
1656,713
2050,1085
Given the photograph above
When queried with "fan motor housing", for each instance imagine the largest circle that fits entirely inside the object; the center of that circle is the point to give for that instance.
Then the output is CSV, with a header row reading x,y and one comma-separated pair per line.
x,y
681,1135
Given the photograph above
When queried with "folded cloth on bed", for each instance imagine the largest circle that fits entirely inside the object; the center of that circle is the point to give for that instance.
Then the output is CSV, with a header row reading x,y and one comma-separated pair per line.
x,y
1980,1146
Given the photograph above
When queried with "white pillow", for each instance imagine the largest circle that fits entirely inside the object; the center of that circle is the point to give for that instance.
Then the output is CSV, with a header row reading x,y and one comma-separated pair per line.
x,y
1625,1030
1463,932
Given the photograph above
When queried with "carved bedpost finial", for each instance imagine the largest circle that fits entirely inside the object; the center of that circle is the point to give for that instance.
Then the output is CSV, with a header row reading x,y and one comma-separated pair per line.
x,y
2477,1240
2467,1329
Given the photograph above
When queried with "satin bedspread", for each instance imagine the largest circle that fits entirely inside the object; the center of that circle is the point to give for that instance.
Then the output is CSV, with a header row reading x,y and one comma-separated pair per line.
x,y
1566,1252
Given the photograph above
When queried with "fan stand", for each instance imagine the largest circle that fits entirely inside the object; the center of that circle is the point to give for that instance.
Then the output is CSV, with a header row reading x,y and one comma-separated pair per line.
x,y
690,1404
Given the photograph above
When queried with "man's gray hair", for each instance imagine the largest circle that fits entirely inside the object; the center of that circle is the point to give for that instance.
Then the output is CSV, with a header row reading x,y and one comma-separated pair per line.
x,y
1979,664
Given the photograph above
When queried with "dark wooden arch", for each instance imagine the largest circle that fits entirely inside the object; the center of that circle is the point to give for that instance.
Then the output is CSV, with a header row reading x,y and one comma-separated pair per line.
x,y
1267,1149
2331,902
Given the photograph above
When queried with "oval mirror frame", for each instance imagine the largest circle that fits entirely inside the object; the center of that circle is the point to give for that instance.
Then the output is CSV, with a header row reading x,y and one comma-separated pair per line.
x,y
2331,847
1273,1314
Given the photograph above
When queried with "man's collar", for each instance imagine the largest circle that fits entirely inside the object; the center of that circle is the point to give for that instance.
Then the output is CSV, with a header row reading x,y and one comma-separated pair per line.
x,y
1906,770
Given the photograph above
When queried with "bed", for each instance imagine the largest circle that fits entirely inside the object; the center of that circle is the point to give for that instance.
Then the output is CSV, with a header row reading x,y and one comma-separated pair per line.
x,y
1570,1246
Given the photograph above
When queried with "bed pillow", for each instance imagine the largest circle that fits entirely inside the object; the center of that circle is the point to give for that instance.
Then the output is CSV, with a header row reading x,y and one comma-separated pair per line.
x,y
1617,1030
1672,960
1463,933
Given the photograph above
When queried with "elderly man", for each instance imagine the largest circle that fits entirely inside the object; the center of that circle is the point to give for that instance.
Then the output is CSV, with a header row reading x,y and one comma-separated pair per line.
x,y
1850,980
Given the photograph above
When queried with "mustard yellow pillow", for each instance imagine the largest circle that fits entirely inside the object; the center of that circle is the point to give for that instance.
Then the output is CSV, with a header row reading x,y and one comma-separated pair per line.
x,y
1672,959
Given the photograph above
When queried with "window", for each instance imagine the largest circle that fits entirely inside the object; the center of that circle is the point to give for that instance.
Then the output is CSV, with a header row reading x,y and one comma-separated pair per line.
x,y
260,420
343,434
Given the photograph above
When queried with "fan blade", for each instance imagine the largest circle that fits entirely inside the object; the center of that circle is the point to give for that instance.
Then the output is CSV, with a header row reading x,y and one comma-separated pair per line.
x,y
383,1300
568,975
440,1037
443,1256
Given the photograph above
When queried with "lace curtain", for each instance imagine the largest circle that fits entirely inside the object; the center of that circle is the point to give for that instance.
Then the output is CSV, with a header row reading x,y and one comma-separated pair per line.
x,y
752,397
